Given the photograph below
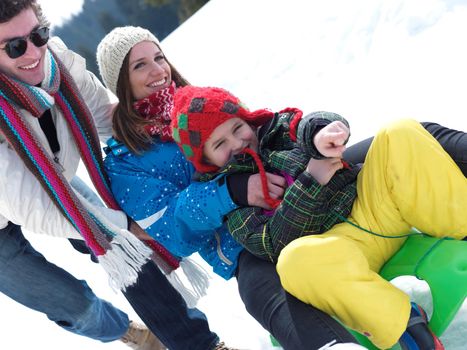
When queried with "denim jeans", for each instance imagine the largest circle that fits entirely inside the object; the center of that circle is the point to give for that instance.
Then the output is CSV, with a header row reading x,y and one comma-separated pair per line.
x,y
165,312
158,303
28,278
295,325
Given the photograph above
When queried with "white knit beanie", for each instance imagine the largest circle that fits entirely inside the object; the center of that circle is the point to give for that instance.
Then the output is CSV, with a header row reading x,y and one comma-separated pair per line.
x,y
113,49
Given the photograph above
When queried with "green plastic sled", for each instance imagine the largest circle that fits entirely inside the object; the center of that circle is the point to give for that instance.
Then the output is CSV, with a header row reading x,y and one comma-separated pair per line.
x,y
442,264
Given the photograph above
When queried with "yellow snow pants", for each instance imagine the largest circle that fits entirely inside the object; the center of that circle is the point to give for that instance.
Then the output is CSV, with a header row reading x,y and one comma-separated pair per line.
x,y
407,181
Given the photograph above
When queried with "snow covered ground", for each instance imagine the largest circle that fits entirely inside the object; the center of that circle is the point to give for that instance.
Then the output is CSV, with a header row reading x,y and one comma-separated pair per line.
x,y
371,61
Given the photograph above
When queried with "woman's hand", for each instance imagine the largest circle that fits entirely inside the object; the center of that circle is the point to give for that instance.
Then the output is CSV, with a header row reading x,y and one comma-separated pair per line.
x,y
330,140
276,187
323,170
138,231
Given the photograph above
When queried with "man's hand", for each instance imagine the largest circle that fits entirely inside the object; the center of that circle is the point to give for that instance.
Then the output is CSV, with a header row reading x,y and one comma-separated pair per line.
x,y
323,170
138,231
276,186
330,140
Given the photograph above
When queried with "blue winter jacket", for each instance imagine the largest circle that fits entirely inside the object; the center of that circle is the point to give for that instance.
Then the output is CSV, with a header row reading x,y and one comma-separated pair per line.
x,y
156,190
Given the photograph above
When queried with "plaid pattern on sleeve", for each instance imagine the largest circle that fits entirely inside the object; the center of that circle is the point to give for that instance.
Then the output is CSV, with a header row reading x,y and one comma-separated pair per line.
x,y
307,208
309,126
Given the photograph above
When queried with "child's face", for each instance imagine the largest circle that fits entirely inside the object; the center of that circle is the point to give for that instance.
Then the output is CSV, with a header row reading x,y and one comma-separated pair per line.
x,y
229,139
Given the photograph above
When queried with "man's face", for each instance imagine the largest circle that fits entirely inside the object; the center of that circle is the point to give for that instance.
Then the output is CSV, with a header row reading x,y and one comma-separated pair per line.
x,y
29,67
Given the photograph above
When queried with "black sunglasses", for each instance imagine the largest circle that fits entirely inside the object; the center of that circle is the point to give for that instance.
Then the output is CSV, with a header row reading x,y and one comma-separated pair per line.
x,y
16,47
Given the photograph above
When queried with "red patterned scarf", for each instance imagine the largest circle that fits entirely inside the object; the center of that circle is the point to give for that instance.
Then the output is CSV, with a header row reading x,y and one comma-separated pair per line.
x,y
157,108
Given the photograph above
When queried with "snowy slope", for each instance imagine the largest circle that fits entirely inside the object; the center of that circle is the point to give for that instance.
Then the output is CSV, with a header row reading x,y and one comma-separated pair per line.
x,y
371,61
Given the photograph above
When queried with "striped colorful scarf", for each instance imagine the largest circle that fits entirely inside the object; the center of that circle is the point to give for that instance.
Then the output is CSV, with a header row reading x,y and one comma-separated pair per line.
x,y
118,251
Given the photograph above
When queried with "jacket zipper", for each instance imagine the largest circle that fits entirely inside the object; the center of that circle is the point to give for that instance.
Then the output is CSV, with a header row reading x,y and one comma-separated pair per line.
x,y
60,166
219,250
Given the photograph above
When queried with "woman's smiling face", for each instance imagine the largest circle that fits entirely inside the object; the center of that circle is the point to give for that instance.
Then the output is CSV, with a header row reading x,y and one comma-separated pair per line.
x,y
148,70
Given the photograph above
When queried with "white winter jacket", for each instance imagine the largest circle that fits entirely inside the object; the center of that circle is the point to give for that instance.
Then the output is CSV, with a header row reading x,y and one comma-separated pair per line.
x,y
22,199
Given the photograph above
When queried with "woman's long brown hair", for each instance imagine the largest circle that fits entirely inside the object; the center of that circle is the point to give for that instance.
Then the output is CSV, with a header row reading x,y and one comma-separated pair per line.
x,y
128,125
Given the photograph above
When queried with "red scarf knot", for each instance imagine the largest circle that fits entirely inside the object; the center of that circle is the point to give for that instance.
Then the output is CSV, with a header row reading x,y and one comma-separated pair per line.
x,y
157,108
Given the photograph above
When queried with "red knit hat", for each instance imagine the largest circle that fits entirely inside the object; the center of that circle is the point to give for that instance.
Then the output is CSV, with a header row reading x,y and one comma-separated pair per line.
x,y
198,111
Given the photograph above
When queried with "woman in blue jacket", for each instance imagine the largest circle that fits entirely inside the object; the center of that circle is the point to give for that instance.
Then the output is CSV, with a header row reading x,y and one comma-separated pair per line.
x,y
152,181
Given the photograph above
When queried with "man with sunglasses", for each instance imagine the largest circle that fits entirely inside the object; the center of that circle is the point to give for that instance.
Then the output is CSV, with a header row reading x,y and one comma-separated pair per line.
x,y
36,76
23,272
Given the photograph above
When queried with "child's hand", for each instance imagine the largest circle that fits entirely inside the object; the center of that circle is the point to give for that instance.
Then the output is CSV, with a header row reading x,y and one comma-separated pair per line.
x,y
323,169
330,140
276,186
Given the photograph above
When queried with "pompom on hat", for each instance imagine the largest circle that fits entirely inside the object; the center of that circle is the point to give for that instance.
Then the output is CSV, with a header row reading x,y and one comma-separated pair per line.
x,y
113,49
196,114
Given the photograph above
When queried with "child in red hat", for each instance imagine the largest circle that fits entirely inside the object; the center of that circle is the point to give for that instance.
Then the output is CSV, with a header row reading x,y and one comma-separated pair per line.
x,y
408,180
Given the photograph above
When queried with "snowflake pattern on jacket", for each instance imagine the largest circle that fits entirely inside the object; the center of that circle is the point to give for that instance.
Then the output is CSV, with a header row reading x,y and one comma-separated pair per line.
x,y
156,189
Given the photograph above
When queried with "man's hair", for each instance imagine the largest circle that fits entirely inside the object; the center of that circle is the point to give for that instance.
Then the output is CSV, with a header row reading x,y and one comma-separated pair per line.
x,y
11,8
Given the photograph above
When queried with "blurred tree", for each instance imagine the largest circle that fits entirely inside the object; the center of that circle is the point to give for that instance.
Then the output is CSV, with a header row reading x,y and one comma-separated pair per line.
x,y
90,57
108,21
157,2
185,7
83,32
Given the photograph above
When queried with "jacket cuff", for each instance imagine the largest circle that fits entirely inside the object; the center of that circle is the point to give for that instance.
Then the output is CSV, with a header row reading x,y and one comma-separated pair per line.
x,y
238,188
226,202
313,188
306,179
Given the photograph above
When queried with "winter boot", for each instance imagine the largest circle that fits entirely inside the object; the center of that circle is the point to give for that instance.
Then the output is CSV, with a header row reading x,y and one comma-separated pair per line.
x,y
418,336
139,337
